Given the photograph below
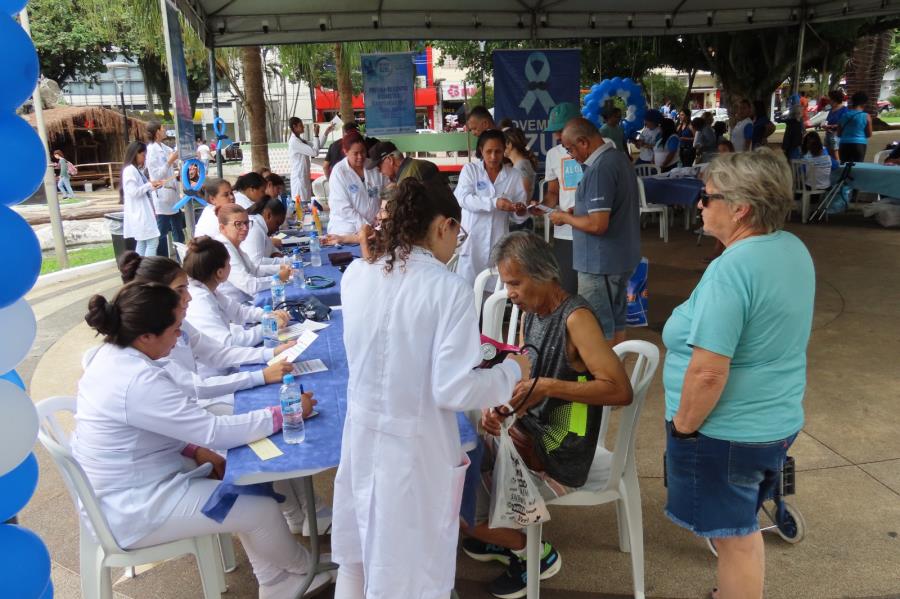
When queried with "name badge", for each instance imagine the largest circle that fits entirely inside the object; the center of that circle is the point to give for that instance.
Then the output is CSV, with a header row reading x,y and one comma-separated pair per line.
x,y
572,174
353,188
373,192
481,185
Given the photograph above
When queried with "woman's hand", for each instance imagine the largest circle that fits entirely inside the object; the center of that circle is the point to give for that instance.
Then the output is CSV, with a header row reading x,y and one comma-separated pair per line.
x,y
157,183
276,372
505,205
275,241
284,273
208,456
308,403
173,157
520,209
285,346
282,317
490,421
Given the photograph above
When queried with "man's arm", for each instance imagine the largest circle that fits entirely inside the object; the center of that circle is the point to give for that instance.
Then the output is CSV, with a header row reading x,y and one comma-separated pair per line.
x,y
551,196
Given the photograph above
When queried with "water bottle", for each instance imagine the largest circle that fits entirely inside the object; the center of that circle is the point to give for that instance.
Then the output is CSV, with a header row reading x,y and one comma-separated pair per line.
x,y
292,430
279,296
269,327
315,255
298,278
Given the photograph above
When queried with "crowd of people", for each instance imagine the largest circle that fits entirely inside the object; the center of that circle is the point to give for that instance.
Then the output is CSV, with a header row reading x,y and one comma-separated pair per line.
x,y
160,388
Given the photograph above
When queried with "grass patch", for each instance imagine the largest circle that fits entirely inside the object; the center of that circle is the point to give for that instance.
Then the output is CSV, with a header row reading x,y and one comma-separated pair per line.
x,y
79,257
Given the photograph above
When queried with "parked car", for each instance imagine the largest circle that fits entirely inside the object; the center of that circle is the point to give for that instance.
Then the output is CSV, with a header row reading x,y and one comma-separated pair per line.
x,y
233,153
720,115
884,106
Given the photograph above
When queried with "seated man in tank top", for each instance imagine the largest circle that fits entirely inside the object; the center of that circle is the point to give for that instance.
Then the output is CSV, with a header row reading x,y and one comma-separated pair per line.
x,y
559,421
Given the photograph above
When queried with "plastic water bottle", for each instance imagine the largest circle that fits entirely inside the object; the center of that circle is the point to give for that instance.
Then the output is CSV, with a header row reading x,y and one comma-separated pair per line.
x,y
298,278
269,327
315,254
293,430
279,295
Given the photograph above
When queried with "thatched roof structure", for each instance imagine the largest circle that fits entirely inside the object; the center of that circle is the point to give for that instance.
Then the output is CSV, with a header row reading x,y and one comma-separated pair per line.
x,y
62,121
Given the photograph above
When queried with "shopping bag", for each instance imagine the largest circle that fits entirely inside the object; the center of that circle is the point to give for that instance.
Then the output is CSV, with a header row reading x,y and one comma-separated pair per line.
x,y
515,499
636,315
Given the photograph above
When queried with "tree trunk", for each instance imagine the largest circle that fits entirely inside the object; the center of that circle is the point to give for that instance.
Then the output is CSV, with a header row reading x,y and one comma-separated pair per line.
x,y
866,67
251,65
345,86
686,104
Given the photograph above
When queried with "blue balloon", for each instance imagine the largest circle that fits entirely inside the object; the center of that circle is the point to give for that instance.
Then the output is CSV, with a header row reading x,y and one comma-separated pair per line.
x,y
28,161
48,592
24,562
17,486
20,256
13,377
11,7
20,62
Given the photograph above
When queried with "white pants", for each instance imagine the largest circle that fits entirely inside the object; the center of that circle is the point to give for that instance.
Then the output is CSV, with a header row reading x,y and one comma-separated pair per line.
x,y
146,247
256,520
351,582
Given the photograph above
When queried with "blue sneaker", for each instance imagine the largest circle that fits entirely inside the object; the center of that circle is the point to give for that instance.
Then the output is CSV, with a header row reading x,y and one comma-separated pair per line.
x,y
487,552
513,583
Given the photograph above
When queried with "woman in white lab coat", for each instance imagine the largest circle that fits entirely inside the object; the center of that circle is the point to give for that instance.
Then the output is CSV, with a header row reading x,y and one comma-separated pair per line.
x,y
267,216
299,154
412,347
136,192
161,165
354,192
217,192
249,189
247,278
218,316
490,193
135,432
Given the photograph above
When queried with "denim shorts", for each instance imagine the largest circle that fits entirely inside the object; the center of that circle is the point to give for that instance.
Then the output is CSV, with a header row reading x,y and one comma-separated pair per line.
x,y
608,297
717,487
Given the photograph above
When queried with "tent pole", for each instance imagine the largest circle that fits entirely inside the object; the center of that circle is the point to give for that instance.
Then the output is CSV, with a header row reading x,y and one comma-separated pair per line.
x,y
215,102
59,236
800,53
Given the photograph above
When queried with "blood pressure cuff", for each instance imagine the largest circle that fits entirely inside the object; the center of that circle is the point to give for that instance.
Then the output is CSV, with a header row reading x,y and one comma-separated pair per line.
x,y
341,258
311,308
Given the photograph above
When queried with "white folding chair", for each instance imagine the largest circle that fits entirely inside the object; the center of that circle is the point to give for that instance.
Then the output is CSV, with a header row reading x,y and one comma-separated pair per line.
x,y
480,286
548,226
492,323
660,209
881,156
320,188
800,169
646,170
613,475
180,250
99,550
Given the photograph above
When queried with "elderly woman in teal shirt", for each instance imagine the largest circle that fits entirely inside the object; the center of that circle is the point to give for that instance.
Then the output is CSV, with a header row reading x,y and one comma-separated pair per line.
x,y
735,369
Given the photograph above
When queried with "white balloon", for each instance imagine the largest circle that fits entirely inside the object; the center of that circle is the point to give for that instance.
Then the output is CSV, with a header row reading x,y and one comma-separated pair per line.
x,y
19,327
18,426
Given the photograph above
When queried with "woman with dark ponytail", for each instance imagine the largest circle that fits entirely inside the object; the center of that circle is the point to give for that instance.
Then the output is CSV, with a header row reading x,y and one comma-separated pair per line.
x,y
134,427
413,347
267,217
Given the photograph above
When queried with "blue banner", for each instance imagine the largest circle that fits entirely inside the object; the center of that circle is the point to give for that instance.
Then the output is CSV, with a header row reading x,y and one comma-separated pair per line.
x,y
528,83
389,85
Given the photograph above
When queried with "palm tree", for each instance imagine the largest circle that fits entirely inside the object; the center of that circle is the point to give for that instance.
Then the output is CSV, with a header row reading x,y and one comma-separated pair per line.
x,y
866,66
251,66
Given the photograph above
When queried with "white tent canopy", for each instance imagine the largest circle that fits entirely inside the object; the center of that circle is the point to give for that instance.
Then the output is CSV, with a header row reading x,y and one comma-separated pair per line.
x,y
271,22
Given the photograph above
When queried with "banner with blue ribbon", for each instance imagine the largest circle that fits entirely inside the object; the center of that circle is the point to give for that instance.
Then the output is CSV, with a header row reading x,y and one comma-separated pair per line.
x,y
222,140
192,190
528,83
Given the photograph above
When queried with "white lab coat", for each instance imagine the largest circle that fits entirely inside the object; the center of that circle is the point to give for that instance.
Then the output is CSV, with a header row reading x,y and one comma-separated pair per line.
x,y
221,318
140,219
485,224
132,422
242,200
258,247
353,202
247,278
208,223
159,169
412,347
299,154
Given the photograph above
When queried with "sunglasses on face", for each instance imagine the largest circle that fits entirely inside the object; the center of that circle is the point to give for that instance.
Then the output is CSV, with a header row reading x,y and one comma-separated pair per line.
x,y
706,198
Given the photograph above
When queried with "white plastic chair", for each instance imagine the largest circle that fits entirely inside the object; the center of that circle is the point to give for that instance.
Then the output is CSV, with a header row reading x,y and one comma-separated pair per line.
x,y
320,188
613,476
480,286
180,250
660,209
492,323
800,168
646,170
548,226
881,156
99,550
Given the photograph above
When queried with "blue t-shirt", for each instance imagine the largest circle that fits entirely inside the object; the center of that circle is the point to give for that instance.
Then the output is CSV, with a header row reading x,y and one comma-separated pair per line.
x,y
853,123
754,304
835,114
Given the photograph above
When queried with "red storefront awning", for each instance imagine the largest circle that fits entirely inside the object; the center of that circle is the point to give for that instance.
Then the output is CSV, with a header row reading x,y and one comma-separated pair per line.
x,y
329,99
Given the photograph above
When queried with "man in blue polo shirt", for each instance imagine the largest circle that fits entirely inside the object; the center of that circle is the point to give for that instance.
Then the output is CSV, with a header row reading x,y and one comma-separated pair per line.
x,y
605,225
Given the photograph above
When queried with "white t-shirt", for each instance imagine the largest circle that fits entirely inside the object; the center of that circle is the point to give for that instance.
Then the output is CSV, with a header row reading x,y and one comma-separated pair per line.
x,y
203,152
565,169
818,173
741,134
648,137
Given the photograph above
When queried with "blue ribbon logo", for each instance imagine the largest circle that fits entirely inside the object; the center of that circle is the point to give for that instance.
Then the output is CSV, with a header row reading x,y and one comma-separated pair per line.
x,y
537,83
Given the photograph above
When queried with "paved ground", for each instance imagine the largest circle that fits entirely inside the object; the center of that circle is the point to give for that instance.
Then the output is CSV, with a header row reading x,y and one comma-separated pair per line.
x,y
848,455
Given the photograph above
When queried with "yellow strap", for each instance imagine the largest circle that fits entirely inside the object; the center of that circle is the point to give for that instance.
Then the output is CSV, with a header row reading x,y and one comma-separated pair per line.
x,y
578,415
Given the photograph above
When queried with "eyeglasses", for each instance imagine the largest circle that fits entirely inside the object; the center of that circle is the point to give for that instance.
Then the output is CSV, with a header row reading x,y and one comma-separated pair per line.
x,y
462,235
242,224
706,198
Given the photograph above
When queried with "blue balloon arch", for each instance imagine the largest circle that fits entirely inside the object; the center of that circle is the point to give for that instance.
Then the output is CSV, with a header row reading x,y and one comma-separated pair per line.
x,y
630,92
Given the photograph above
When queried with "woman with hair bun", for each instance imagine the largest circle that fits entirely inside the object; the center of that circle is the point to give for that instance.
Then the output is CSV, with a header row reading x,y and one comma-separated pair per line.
x,y
267,216
249,189
135,427
217,315
217,192
413,348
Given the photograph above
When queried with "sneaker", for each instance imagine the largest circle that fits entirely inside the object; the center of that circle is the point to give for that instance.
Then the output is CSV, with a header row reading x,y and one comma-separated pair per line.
x,y
486,552
513,583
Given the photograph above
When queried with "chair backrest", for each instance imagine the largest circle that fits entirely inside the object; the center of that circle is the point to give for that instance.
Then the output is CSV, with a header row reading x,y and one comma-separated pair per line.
x,y
548,226
492,323
453,262
480,286
642,195
799,168
641,376
56,441
320,187
646,170
881,156
181,250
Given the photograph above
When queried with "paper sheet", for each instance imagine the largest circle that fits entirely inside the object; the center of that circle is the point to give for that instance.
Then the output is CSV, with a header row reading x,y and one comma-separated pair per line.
x,y
280,235
265,449
292,353
291,240
297,329
309,367
543,208
337,120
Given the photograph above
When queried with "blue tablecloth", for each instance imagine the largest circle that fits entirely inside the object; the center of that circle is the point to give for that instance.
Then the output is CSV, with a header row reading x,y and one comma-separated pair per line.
x,y
873,178
682,191
330,296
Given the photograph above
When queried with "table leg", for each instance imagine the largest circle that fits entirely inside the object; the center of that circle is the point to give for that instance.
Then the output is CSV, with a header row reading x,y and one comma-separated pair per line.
x,y
315,565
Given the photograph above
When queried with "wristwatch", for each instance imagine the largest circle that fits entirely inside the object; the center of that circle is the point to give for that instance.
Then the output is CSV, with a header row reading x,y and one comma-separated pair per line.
x,y
680,435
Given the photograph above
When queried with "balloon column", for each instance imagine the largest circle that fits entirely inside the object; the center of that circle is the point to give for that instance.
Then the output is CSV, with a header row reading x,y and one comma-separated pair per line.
x,y
24,560
631,94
